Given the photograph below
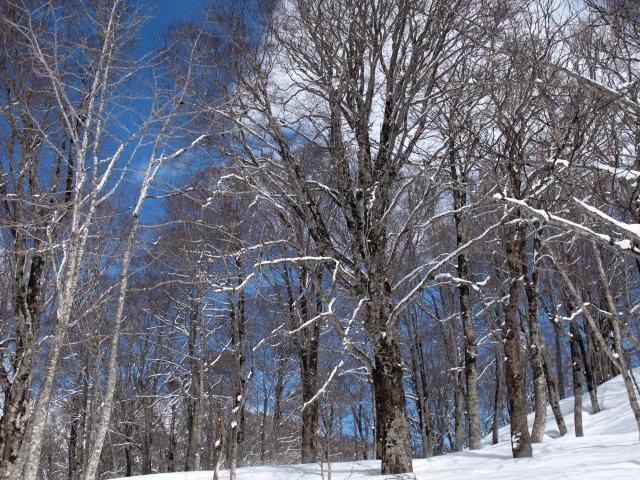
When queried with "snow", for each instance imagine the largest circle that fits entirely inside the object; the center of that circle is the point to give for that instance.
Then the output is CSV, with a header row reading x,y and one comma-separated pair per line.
x,y
624,244
632,228
609,450
624,173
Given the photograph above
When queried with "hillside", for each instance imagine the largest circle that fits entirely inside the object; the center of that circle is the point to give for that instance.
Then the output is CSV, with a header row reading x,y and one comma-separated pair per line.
x,y
610,449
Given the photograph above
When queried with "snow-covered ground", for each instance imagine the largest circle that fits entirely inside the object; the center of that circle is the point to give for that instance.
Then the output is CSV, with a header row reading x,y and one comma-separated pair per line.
x,y
609,450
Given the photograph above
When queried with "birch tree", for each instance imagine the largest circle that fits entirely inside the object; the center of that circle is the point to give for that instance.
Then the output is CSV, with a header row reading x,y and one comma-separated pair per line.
x,y
87,104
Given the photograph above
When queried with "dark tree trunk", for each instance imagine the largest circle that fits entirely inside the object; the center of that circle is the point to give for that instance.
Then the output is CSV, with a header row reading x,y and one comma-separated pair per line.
x,y
559,363
558,333
426,416
307,343
458,414
73,441
194,401
457,368
420,386
576,367
497,398
422,406
554,399
464,295
263,427
357,432
173,444
589,376
391,412
16,409
147,436
535,343
377,433
277,410
514,374
392,429
310,413
238,330
363,432
593,346
128,456
309,367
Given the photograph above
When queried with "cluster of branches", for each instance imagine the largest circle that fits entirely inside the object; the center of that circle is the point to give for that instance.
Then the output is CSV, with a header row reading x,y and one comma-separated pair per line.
x,y
311,230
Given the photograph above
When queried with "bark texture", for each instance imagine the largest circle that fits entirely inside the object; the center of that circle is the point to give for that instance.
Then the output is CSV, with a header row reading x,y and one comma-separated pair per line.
x,y
514,373
391,412
535,343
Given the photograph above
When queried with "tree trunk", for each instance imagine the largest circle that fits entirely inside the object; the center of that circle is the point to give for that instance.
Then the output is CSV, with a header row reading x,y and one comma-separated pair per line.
x,y
41,407
464,294
426,416
589,376
103,420
514,376
218,448
147,436
195,400
238,326
554,399
77,430
576,368
459,399
422,406
263,426
364,433
277,410
73,441
457,368
128,469
497,398
171,450
357,433
420,386
389,398
535,347
559,365
16,408
307,343
15,415
309,368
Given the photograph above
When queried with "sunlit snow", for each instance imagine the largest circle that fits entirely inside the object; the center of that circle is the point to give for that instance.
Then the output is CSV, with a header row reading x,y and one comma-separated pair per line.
x,y
609,450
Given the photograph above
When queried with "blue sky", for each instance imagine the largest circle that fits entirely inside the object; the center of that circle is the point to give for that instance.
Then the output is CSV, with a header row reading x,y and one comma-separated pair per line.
x,y
166,12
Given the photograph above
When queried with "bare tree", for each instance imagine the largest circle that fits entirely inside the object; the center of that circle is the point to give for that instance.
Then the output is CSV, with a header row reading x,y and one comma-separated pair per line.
x,y
358,60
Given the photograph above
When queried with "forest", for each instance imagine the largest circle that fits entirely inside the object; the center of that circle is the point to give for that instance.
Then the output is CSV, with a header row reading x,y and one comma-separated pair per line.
x,y
270,232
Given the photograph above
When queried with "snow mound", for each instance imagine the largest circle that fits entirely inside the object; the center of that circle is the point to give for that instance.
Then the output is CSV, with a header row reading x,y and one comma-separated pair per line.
x,y
609,450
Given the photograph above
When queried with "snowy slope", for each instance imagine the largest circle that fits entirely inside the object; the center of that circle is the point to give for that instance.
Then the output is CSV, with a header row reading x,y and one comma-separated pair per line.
x,y
609,450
